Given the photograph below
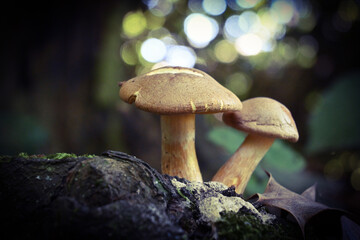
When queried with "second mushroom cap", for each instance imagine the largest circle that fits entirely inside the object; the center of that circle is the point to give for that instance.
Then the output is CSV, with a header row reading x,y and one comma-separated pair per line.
x,y
264,116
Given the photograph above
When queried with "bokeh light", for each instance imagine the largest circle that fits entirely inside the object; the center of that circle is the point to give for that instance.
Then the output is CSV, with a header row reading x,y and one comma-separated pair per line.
x,y
251,28
153,50
232,4
128,53
288,49
225,52
334,169
239,83
307,23
160,8
232,28
195,5
280,33
269,45
159,33
247,3
214,7
200,29
256,28
180,56
153,21
268,21
249,44
169,40
134,23
283,11
249,22
150,3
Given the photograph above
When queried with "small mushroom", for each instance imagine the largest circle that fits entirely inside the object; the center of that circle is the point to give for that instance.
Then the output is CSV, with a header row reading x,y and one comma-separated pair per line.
x,y
177,94
264,119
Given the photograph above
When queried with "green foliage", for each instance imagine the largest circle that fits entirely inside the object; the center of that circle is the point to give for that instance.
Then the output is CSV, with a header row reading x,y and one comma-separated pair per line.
x,y
280,157
227,138
334,123
257,182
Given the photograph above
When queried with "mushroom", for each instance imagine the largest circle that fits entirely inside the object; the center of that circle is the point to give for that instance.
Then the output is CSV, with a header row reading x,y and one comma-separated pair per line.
x,y
264,119
177,94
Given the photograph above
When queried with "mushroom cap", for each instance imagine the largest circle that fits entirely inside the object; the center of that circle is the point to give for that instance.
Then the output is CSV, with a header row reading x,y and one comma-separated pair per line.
x,y
178,90
264,116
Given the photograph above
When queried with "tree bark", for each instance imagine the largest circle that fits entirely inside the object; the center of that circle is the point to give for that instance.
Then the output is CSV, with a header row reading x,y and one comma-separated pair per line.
x,y
114,196
110,196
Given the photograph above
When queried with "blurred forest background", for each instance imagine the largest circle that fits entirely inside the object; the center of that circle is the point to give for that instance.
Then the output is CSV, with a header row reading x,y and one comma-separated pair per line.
x,y
61,62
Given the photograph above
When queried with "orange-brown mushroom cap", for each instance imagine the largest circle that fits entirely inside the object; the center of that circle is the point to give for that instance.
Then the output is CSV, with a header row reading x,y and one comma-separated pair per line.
x,y
178,90
264,116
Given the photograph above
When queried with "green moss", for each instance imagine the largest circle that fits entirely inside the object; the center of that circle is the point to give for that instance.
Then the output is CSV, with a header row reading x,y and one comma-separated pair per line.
x,y
23,155
61,156
159,186
50,169
28,156
88,155
54,156
246,226
182,195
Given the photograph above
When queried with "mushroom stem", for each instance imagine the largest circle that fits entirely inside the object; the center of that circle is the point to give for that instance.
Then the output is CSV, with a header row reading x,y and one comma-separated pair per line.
x,y
239,168
178,156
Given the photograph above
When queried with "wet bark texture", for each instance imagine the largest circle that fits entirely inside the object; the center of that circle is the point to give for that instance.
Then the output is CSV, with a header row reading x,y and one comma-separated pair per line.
x,y
113,196
102,197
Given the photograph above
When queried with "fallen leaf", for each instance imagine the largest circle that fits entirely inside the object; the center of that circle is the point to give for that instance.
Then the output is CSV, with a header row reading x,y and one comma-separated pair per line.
x,y
310,193
301,207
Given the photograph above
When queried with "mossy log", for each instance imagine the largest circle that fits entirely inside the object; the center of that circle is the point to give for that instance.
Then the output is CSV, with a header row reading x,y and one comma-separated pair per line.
x,y
113,196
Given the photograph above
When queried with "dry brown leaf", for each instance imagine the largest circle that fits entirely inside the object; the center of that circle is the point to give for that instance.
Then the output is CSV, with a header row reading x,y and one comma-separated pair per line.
x,y
310,193
301,207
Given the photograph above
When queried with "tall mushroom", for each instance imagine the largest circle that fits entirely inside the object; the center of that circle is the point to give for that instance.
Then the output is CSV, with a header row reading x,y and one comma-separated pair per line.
x,y
264,119
177,94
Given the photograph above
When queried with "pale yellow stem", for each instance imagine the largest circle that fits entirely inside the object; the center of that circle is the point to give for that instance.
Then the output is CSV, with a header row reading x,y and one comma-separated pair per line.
x,y
178,155
239,168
